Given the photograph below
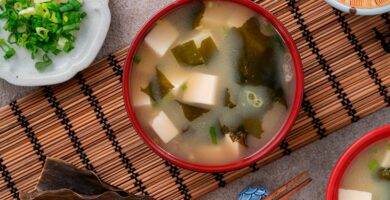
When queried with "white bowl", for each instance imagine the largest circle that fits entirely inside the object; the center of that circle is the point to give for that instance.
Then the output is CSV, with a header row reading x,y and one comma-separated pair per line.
x,y
20,69
358,11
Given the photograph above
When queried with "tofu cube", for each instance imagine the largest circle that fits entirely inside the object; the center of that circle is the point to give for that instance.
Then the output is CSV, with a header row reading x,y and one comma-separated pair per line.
x,y
164,127
216,13
201,90
161,37
239,16
353,194
217,153
386,160
234,148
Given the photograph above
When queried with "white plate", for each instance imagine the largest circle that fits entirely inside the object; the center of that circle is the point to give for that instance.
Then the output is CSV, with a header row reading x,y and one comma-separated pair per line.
x,y
20,69
359,11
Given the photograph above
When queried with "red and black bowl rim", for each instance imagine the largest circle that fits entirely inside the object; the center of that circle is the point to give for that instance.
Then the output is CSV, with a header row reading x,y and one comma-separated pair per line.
x,y
275,141
352,152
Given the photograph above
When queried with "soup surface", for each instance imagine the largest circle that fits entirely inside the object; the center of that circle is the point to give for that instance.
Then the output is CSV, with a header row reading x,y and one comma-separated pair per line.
x,y
212,83
369,173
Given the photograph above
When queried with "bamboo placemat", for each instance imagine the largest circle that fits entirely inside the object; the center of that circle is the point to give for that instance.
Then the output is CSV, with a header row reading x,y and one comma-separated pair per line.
x,y
83,121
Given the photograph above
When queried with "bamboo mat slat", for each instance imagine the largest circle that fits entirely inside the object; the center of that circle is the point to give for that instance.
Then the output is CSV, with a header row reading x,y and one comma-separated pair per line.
x,y
83,121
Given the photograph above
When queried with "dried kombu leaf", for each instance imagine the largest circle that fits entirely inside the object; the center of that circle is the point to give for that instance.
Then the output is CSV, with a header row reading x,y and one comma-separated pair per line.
x,y
188,53
159,87
192,112
60,180
229,99
70,195
257,63
58,175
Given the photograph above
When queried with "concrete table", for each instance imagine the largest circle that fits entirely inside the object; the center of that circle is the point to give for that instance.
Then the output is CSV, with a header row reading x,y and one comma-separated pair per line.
x,y
128,16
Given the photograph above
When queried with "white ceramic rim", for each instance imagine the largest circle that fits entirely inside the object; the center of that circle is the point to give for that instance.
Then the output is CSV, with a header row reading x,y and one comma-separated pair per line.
x,y
359,11
76,66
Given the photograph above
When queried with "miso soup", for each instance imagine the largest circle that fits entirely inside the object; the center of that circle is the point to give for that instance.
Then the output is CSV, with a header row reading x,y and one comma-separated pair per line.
x,y
212,82
368,176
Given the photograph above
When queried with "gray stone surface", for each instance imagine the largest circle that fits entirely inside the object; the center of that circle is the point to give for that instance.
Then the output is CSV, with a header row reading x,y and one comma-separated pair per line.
x,y
318,158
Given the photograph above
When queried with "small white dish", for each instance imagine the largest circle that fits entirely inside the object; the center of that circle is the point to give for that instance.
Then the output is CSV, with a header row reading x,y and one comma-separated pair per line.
x,y
20,69
358,11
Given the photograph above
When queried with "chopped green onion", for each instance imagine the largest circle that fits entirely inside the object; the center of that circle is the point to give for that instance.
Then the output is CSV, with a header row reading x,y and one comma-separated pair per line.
x,y
213,135
373,165
8,50
42,32
72,5
9,54
12,38
68,47
41,66
184,87
388,147
18,6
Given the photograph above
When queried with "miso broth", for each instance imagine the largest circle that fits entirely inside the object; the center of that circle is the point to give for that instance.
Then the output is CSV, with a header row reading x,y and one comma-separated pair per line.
x,y
212,82
368,175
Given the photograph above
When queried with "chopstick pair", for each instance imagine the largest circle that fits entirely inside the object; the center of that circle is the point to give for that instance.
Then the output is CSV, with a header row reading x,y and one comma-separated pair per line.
x,y
290,188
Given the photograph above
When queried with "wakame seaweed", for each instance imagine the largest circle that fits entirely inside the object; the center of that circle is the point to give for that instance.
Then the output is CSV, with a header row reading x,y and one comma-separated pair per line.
x,y
192,112
277,95
384,173
188,53
238,135
199,15
257,64
254,127
229,99
159,87
207,49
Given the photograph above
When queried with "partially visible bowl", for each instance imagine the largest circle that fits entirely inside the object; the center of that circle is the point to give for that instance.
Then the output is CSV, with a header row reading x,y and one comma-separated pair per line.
x,y
20,69
346,159
359,11
296,97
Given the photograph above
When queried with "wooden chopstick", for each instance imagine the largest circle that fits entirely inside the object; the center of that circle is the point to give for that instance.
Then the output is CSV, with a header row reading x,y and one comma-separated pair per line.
x,y
290,188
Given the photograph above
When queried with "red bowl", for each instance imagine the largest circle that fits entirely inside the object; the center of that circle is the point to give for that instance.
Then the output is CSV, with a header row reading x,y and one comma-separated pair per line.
x,y
346,159
277,139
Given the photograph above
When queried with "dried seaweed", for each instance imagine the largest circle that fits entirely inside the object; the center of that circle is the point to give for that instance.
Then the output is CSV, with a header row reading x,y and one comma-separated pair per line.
x,y
65,194
60,180
192,112
58,175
